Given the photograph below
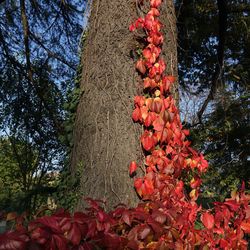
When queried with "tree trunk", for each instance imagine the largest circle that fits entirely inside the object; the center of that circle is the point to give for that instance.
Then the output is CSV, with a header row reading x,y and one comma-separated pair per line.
x,y
105,138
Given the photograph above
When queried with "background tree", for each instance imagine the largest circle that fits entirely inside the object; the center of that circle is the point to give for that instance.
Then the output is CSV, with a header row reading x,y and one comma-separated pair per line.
x,y
38,61
227,146
213,56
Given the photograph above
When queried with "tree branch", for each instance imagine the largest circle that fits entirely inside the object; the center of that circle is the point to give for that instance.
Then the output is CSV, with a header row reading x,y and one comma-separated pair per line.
x,y
26,39
222,6
50,53
26,34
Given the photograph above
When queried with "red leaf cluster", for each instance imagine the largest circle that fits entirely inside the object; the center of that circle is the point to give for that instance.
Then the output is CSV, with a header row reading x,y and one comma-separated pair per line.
x,y
170,157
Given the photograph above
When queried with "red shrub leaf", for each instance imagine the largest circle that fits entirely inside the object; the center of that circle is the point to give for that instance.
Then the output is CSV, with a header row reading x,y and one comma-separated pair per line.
x,y
13,241
74,234
126,216
144,231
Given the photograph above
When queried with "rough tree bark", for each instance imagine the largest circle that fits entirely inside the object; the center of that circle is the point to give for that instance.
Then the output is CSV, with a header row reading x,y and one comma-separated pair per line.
x,y
105,138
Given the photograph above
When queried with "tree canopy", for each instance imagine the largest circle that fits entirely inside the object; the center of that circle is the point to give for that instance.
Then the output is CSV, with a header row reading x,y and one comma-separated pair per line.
x,y
213,56
39,56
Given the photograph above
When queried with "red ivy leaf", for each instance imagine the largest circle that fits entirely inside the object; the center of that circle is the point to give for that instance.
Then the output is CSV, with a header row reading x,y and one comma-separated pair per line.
x,y
144,231
159,216
85,246
140,66
233,205
171,79
158,124
126,217
195,182
132,27
74,234
207,220
138,185
224,244
150,118
154,12
139,101
155,3
101,216
57,242
156,105
132,168
136,116
148,141
148,187
50,222
245,226
111,241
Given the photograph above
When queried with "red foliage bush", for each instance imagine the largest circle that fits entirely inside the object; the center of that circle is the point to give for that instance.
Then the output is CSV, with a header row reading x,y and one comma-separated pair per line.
x,y
168,217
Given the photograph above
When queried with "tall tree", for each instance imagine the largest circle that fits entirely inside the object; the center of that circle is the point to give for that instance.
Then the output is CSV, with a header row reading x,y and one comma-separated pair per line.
x,y
105,138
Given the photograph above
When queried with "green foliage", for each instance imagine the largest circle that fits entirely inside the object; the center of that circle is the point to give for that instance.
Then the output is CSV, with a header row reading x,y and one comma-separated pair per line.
x,y
70,105
10,179
227,145
24,185
68,193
